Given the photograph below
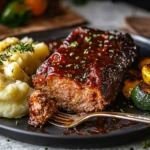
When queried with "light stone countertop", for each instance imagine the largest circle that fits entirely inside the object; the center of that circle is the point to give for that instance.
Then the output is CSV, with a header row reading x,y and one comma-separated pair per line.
x,y
104,15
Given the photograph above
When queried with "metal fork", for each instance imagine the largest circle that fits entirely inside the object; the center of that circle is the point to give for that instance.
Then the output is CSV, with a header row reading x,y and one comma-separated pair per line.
x,y
65,120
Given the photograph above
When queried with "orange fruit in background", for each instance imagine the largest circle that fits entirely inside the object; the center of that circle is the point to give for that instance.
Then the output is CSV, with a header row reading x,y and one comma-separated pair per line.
x,y
37,7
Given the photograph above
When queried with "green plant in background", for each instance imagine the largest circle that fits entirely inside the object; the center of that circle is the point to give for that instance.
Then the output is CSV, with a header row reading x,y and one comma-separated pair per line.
x,y
15,14
79,2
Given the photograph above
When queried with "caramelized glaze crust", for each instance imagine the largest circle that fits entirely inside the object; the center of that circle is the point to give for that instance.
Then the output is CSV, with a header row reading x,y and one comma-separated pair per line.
x,y
84,74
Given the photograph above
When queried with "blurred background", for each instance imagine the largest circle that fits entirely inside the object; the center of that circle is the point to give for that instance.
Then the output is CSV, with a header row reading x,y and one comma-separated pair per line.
x,y
23,16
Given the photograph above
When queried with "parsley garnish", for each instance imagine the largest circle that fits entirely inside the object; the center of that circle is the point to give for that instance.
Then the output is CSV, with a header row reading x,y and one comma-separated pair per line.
x,y
77,57
121,110
86,51
69,65
87,39
83,61
17,123
22,47
74,44
1,63
94,35
111,50
76,66
100,45
19,47
69,75
72,53
85,75
111,37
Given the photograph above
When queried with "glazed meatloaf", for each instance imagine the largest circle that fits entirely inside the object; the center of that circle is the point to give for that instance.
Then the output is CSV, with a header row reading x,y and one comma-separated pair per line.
x,y
85,73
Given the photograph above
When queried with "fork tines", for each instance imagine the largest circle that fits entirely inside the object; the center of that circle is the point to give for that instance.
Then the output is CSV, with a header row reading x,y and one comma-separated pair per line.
x,y
61,119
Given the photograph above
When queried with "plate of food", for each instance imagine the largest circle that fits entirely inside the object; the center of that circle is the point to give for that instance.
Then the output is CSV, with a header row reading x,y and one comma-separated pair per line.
x,y
77,71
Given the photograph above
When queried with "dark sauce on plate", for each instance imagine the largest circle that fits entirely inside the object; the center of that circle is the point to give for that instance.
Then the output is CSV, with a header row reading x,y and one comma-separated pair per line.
x,y
104,125
96,125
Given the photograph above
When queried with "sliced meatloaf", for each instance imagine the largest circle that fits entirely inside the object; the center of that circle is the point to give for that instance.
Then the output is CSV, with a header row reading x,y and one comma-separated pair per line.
x,y
85,73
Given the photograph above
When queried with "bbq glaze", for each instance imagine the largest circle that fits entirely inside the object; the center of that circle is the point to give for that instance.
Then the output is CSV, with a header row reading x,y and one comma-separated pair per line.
x,y
86,72
81,57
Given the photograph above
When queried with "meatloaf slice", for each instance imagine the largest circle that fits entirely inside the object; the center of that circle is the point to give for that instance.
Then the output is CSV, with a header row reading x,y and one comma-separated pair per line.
x,y
85,73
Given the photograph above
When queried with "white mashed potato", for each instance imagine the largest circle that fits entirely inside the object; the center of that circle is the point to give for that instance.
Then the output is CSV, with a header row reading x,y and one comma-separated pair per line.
x,y
15,76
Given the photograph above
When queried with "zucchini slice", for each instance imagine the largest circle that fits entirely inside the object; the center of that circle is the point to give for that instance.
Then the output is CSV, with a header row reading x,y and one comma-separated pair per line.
x,y
141,96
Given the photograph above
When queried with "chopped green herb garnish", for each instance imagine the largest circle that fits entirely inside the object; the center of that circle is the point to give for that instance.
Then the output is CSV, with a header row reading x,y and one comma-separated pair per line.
x,y
131,106
77,77
17,123
87,39
69,65
114,119
100,45
12,70
111,50
22,47
19,47
76,66
86,51
69,75
83,61
81,79
77,57
71,54
1,63
74,44
121,110
85,75
33,76
94,35
111,37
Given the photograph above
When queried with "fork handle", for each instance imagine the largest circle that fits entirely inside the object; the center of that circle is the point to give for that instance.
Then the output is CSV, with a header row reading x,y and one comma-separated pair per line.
x,y
127,116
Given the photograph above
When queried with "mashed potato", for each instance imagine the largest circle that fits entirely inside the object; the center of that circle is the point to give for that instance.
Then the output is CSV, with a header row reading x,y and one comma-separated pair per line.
x,y
15,76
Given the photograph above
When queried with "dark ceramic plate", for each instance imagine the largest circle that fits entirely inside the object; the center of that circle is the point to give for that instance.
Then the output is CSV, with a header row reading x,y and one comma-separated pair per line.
x,y
117,132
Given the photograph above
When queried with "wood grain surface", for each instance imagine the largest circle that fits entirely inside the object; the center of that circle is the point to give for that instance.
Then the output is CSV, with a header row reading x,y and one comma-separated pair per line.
x,y
66,19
